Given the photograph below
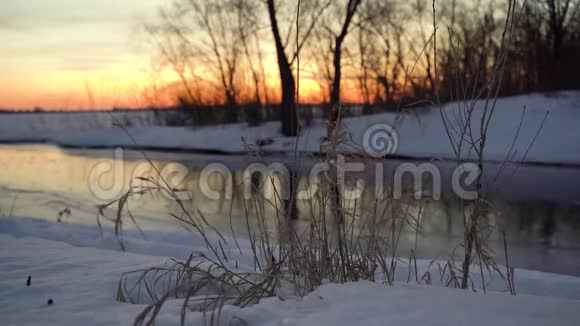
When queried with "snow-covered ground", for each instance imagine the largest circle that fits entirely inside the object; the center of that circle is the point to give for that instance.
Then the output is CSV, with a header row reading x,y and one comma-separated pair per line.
x,y
420,135
20,124
79,269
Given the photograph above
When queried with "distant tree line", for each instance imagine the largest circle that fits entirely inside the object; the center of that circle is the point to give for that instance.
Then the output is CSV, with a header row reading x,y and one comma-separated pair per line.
x,y
383,54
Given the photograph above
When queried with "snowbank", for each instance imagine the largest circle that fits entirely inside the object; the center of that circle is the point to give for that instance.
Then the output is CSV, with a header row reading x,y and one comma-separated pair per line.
x,y
22,124
420,135
365,303
79,269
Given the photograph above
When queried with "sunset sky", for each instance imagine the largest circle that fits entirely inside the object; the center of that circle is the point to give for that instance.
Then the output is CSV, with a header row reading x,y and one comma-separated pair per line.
x,y
79,55
52,49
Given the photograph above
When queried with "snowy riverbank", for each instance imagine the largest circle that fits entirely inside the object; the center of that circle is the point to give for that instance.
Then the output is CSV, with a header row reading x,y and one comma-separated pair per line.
x,y
79,268
420,135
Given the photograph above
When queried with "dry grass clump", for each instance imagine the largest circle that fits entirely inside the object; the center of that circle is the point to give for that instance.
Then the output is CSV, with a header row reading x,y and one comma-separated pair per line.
x,y
282,258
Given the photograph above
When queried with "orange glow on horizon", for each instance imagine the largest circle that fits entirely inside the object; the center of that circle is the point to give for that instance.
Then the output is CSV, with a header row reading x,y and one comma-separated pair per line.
x,y
73,92
75,62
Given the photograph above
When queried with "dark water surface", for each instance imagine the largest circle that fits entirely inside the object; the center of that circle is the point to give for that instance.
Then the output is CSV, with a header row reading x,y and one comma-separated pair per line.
x,y
538,207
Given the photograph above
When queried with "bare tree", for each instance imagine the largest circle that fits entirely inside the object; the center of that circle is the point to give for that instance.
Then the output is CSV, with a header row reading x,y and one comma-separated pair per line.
x,y
350,10
248,23
380,49
248,26
363,76
428,83
558,18
330,36
320,57
308,16
200,41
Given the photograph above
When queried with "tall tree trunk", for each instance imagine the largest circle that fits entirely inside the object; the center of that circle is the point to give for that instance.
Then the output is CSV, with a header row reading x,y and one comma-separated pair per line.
x,y
335,91
351,9
289,117
231,107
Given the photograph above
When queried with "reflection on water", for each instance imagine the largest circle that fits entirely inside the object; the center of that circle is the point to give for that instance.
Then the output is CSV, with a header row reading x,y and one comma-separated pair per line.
x,y
536,206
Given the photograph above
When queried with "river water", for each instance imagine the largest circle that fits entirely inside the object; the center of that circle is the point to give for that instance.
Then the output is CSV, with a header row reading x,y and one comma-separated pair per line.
x,y
537,207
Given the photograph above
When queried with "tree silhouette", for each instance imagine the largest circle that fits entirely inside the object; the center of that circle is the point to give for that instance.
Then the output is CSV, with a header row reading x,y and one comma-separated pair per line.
x,y
307,16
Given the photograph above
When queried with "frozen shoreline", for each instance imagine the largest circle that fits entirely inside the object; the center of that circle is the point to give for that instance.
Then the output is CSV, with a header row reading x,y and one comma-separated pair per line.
x,y
420,136
79,269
